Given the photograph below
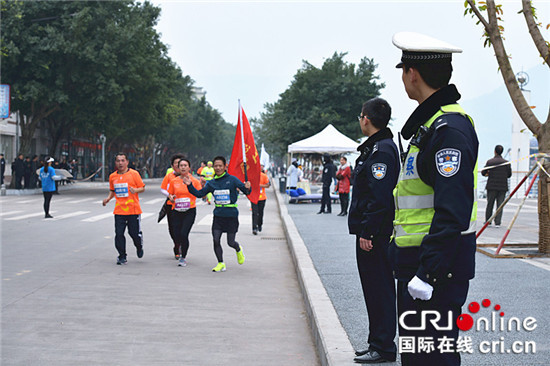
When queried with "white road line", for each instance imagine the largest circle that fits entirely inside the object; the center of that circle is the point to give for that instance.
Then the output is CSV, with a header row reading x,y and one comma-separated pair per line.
x,y
98,217
71,214
536,263
26,201
27,216
9,213
156,200
206,220
82,200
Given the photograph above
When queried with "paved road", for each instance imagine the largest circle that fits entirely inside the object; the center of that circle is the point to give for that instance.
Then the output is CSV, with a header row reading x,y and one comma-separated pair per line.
x,y
65,302
519,286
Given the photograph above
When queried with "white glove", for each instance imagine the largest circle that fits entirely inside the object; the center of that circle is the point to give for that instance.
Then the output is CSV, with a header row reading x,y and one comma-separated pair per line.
x,y
420,289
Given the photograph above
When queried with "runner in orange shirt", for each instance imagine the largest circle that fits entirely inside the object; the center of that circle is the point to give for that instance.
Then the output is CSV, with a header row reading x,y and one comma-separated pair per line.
x,y
183,206
174,160
125,184
258,209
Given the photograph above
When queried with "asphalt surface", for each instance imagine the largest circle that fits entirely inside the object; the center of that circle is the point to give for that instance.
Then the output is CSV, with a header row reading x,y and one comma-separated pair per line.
x,y
66,302
520,286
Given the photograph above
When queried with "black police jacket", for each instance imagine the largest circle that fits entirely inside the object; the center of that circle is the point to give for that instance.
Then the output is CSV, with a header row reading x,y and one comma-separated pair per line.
x,y
445,254
329,173
376,171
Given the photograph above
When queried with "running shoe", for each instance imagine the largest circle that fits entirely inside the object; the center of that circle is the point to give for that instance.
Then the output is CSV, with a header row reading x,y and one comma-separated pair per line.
x,y
182,262
219,268
139,251
177,256
240,255
121,261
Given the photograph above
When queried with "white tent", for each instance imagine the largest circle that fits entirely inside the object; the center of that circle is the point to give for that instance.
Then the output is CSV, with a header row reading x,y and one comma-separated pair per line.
x,y
329,140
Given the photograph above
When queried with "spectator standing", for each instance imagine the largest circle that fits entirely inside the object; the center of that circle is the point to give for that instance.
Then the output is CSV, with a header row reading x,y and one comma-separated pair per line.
x,y
497,183
329,175
27,172
18,170
2,168
35,164
48,178
293,174
343,187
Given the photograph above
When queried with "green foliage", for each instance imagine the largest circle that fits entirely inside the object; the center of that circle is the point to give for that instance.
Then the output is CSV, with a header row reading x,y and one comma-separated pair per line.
x,y
92,67
201,133
316,97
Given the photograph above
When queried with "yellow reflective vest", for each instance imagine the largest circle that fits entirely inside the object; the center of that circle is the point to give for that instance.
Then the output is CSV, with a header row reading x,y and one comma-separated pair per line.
x,y
414,199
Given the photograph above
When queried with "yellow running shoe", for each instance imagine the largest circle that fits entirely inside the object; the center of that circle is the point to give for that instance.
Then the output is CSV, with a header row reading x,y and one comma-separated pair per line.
x,y
219,268
240,255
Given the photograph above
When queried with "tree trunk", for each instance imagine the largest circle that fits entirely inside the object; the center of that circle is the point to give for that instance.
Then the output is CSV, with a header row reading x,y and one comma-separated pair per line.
x,y
544,187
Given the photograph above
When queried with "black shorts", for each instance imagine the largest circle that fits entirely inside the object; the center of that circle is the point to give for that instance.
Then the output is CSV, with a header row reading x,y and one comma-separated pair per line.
x,y
226,224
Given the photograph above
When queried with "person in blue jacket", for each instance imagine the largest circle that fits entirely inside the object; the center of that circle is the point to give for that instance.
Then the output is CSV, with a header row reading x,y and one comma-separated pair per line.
x,y
371,221
48,178
226,215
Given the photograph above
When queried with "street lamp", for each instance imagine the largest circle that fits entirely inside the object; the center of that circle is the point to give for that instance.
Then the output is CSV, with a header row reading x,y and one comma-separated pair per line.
x,y
102,138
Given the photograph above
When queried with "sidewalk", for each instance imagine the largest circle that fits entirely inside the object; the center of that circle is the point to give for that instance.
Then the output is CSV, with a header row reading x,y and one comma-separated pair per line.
x,y
328,273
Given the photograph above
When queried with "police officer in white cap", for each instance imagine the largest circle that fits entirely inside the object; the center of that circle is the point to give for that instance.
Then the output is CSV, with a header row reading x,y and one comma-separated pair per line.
x,y
434,244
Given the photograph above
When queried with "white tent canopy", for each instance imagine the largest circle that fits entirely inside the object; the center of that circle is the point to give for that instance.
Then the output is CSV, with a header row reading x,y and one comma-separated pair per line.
x,y
329,140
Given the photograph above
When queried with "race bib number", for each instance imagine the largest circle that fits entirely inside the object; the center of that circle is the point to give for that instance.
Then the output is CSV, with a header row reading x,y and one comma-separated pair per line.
x,y
221,196
182,204
121,190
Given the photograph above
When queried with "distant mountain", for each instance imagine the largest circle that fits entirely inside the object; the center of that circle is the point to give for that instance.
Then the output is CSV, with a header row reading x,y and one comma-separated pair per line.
x,y
493,112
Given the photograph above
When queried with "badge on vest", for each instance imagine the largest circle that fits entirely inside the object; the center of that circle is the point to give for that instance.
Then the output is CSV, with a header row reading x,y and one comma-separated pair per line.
x,y
379,170
448,162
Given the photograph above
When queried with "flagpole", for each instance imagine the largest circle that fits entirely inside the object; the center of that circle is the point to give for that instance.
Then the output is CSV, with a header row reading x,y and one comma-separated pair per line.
x,y
242,140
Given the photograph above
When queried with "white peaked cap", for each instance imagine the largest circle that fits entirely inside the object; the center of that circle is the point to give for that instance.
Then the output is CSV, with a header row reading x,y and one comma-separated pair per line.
x,y
416,42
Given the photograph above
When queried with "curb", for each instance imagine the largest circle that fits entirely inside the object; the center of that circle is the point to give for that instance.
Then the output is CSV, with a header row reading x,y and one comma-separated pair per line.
x,y
331,340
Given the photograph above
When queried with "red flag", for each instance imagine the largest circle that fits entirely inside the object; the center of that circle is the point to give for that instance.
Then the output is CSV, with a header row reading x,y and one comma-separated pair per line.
x,y
236,163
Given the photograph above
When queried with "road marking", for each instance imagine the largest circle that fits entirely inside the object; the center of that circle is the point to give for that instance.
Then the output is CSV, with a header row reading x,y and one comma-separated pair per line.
x,y
26,201
98,217
536,263
27,216
71,214
156,200
146,215
82,200
9,213
206,220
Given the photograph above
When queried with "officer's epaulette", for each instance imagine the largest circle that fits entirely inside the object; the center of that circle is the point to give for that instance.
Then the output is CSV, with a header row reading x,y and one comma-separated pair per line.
x,y
444,120
375,148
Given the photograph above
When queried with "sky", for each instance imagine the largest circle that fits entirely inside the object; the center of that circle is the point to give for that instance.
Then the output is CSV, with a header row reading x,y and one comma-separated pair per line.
x,y
251,50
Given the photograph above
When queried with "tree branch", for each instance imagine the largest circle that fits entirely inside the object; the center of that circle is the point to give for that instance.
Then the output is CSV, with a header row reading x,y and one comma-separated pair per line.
x,y
534,31
478,14
518,99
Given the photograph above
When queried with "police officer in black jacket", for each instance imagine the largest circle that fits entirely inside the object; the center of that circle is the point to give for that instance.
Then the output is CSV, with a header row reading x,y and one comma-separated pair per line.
x,y
434,244
371,220
329,175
